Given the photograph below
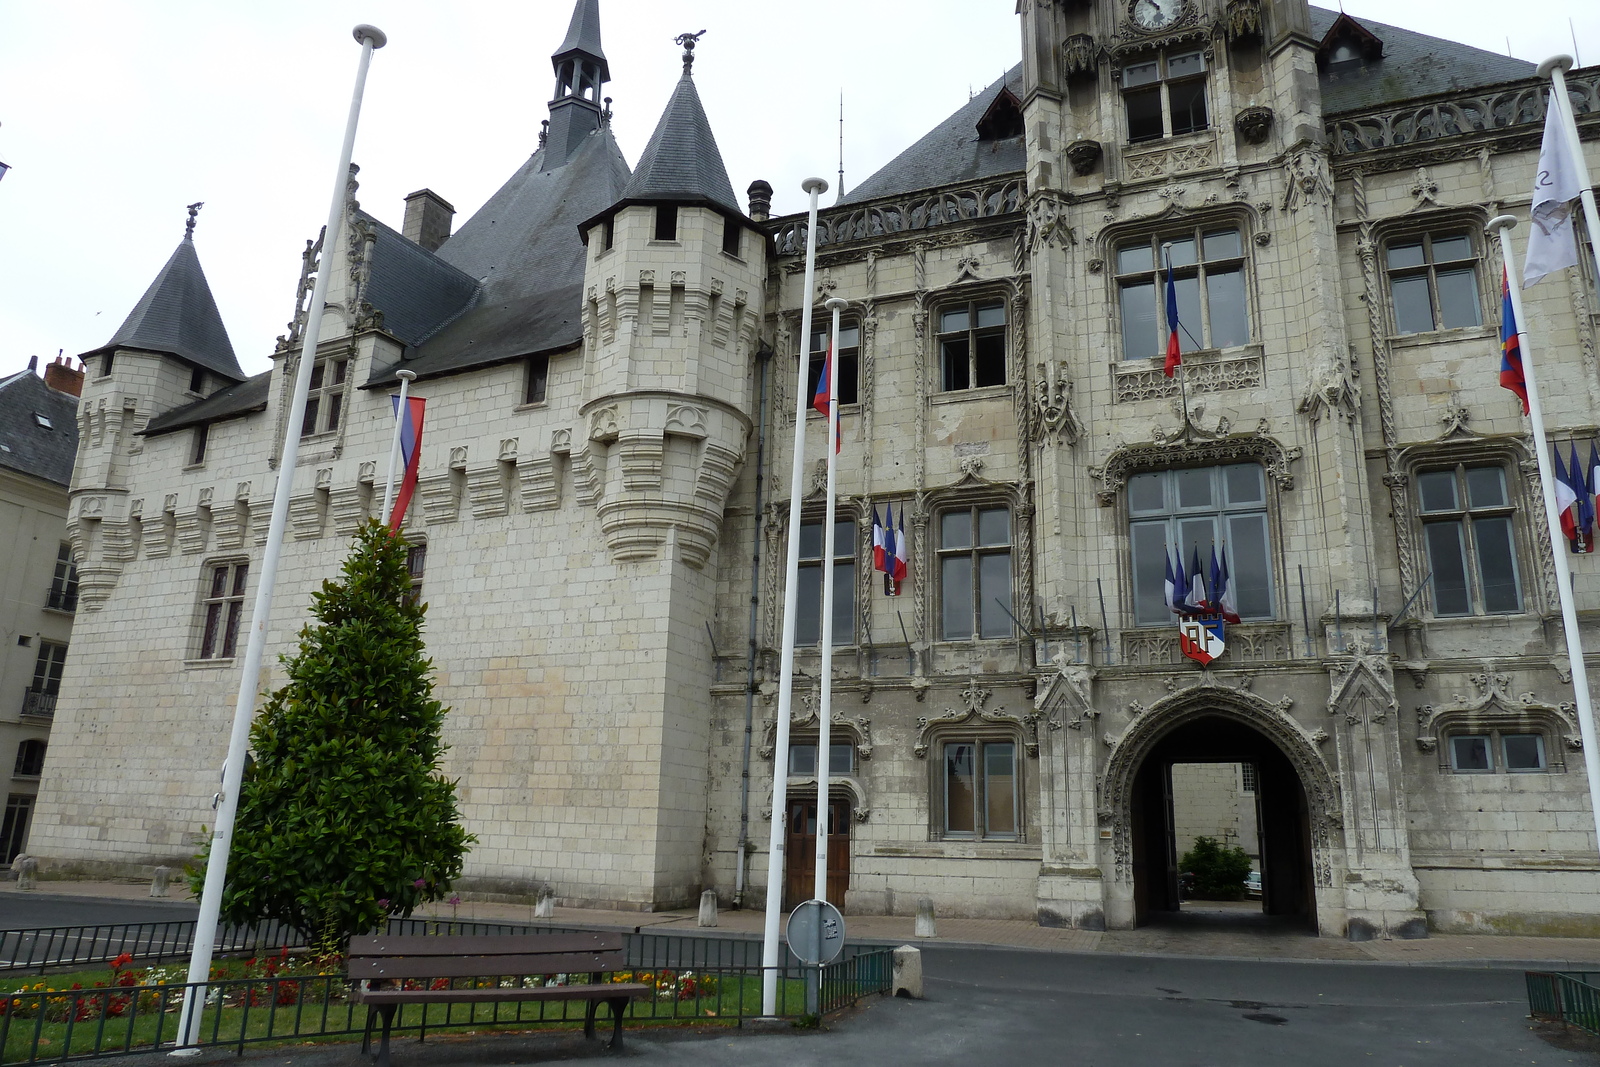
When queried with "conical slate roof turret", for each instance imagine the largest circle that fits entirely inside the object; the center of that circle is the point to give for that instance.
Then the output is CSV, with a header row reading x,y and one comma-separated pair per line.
x,y
681,162
178,316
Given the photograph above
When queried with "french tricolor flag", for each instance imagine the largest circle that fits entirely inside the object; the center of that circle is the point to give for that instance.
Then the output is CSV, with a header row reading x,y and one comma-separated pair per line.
x,y
410,454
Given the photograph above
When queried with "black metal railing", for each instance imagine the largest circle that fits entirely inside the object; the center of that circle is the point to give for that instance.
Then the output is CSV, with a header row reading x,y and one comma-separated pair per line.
x,y
55,947
1571,998
41,705
63,599
40,1024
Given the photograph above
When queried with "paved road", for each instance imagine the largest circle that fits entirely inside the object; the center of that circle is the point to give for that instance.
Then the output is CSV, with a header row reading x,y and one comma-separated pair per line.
x,y
29,911
995,1007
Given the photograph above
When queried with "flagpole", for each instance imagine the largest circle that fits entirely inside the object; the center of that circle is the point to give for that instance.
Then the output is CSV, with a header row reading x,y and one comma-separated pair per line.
x,y
791,593
825,710
406,378
1502,224
205,927
1555,68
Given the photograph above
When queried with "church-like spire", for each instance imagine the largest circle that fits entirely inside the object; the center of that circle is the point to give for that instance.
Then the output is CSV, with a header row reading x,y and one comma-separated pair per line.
x,y
178,316
581,70
681,162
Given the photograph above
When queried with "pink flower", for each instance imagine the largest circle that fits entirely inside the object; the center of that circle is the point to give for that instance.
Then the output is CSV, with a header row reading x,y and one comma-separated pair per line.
x,y
454,901
419,883
384,903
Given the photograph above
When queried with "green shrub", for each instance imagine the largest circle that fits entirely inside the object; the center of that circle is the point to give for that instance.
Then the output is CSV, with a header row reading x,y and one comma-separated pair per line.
x,y
1219,872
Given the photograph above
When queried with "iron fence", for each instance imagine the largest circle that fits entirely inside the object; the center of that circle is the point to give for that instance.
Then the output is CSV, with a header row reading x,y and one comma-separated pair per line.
x,y
706,980
1571,998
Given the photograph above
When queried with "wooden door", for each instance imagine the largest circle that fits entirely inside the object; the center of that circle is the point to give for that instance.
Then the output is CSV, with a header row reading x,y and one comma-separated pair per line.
x,y
801,851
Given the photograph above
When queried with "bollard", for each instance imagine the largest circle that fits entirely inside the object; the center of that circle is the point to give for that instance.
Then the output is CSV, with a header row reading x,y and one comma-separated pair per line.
x,y
545,906
708,908
925,917
159,883
907,972
27,869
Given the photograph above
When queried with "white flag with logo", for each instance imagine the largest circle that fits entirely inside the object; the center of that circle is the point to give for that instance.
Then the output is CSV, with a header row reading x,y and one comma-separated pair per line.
x,y
1551,242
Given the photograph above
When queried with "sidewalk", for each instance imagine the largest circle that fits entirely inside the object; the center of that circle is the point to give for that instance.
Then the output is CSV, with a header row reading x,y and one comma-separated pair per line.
x,y
1213,935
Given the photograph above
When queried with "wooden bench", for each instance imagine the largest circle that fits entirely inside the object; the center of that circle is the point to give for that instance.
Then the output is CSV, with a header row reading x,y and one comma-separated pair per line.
x,y
381,965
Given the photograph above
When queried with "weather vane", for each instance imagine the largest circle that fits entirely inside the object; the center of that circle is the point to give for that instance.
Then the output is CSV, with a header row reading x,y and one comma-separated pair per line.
x,y
194,210
688,41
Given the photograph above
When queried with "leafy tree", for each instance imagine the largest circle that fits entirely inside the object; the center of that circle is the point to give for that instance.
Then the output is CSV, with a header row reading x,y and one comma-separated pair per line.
x,y
344,818
1219,872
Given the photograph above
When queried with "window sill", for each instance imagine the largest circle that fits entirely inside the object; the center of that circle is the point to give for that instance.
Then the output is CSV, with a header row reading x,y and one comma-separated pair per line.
x,y
26,777
65,613
813,415
956,396
729,255
537,405
959,848
195,466
207,664
1433,337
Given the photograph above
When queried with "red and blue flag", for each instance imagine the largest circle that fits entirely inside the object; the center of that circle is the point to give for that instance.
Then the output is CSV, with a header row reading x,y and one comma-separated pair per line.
x,y
1511,374
1174,350
410,454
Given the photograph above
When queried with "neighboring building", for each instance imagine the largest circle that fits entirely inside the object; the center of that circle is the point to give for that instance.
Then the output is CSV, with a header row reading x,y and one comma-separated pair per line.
x,y
607,445
38,583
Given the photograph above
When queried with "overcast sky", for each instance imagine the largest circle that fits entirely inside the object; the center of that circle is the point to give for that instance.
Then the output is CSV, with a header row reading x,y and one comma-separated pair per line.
x,y
115,115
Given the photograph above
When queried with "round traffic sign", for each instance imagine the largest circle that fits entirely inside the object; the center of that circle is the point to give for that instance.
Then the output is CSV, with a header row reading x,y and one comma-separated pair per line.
x,y
816,932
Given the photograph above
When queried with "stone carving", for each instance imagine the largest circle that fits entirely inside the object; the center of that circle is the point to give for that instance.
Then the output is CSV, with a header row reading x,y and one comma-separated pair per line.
x,y
1519,105
1424,190
1203,374
1162,162
1242,21
1247,643
1307,179
1078,55
1254,124
858,730
973,699
1053,416
1083,156
1489,704
967,269
603,425
1186,449
1454,420
1330,386
882,219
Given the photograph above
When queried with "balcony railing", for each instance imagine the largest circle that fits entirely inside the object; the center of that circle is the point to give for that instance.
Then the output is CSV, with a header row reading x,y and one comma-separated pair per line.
x,y
63,599
38,705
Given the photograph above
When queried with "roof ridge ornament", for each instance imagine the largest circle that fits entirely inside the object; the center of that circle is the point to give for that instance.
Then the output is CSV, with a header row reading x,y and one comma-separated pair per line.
x,y
688,41
194,211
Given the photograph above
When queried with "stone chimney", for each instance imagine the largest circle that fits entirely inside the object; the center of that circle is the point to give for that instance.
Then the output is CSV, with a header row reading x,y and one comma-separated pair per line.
x,y
760,194
428,219
63,377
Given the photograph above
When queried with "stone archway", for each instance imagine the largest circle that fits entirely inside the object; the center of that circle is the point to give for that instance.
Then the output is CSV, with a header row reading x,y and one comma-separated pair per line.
x,y
1272,723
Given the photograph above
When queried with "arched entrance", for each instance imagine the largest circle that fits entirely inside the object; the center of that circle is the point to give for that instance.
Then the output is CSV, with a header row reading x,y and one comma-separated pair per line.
x,y
1298,809
1281,818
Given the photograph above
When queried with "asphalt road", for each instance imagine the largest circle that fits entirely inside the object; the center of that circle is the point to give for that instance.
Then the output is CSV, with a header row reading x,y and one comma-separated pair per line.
x,y
996,1007
20,911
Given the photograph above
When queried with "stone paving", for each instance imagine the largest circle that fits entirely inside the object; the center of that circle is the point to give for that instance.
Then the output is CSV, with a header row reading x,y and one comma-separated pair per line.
x,y
1235,930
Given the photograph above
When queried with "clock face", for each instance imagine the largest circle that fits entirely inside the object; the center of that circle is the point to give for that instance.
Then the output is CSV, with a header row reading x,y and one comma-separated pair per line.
x,y
1156,14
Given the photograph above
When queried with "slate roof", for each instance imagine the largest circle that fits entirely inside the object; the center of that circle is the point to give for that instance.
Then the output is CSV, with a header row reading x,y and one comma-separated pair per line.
x,y
523,250
681,162
26,446
950,152
1413,65
583,35
240,398
177,316
417,291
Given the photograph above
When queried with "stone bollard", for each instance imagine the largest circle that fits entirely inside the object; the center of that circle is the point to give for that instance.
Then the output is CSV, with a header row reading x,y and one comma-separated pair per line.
x,y
545,904
708,908
925,917
27,869
159,883
907,972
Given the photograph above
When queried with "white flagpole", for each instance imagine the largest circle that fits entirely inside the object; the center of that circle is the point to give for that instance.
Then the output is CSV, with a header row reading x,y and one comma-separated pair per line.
x,y
1503,224
825,711
1555,68
205,927
406,378
791,592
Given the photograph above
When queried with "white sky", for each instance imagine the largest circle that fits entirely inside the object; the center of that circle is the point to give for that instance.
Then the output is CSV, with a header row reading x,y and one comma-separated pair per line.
x,y
114,115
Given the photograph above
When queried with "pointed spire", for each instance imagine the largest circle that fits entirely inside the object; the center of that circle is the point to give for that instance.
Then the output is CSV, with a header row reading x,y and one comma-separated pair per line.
x,y
178,316
581,70
681,161
583,37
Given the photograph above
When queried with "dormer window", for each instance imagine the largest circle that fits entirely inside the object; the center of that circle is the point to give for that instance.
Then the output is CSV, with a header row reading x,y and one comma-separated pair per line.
x,y
1003,119
1165,95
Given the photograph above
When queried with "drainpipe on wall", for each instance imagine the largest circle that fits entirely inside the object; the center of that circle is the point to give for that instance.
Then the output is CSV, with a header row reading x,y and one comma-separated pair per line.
x,y
764,354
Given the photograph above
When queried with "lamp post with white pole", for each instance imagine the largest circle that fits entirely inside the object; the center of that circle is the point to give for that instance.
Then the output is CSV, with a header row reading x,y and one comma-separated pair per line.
x,y
205,928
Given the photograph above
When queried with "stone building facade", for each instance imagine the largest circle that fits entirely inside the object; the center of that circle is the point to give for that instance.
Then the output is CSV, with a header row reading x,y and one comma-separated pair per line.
x,y
611,358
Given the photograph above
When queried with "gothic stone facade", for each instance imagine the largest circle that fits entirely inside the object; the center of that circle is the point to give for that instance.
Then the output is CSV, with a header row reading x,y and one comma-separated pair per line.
x,y
589,553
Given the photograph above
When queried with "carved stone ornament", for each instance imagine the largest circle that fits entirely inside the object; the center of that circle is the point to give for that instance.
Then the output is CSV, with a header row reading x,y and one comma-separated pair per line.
x,y
1253,124
1242,21
1522,104
973,699
1078,56
1489,704
1182,450
1306,177
1331,384
1052,409
880,219
857,730
1047,222
1083,155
